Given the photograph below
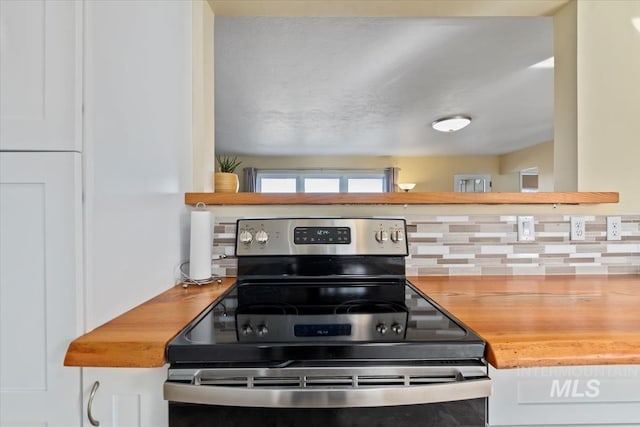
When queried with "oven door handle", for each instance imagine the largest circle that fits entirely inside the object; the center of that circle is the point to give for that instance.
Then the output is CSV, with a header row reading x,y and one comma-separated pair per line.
x,y
327,397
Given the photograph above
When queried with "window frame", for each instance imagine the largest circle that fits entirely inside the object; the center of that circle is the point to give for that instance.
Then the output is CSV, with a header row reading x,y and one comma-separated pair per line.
x,y
301,175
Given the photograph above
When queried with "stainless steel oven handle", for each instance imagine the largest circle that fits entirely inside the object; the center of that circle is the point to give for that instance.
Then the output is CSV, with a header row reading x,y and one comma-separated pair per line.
x,y
327,397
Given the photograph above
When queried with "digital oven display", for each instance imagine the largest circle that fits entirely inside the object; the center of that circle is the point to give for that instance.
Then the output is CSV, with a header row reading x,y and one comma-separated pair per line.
x,y
321,235
331,330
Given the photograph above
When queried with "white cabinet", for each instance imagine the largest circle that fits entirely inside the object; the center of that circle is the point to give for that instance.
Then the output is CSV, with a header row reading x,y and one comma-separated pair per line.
x,y
566,395
137,157
40,276
40,75
129,397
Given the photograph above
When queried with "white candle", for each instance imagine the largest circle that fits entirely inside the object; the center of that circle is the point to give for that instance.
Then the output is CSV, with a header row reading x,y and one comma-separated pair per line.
x,y
200,245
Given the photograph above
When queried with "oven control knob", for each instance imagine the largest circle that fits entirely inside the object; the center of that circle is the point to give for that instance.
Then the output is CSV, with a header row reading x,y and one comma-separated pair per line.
x,y
381,328
245,236
397,236
262,236
397,328
382,236
246,330
262,330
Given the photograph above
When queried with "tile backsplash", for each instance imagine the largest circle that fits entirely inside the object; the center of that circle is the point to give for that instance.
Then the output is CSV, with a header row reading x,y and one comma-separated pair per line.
x,y
488,245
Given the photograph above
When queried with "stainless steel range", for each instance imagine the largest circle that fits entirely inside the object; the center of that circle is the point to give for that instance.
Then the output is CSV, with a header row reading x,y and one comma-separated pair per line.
x,y
322,328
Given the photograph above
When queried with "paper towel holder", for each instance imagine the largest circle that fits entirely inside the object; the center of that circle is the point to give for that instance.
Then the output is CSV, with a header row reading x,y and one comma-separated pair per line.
x,y
185,273
186,280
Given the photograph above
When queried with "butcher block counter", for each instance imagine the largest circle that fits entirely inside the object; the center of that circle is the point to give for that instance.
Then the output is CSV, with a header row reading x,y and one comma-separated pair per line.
x,y
529,321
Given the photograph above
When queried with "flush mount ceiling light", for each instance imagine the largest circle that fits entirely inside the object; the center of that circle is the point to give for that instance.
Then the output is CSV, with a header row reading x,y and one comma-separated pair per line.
x,y
547,63
451,124
406,186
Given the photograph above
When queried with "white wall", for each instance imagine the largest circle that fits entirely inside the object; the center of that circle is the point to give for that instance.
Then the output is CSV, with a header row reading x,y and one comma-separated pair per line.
x,y
609,99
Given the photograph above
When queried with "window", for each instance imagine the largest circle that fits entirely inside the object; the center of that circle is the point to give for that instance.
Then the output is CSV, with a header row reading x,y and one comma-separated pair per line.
x,y
316,181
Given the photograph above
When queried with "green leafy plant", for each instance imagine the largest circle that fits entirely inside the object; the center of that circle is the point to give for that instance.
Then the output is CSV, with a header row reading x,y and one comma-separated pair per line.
x,y
227,164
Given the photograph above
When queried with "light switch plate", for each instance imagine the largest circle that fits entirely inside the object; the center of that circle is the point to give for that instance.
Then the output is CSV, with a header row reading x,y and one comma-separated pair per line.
x,y
614,228
578,228
526,229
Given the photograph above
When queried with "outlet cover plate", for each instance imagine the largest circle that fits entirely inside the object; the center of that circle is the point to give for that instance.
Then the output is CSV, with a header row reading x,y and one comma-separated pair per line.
x,y
526,229
614,228
578,229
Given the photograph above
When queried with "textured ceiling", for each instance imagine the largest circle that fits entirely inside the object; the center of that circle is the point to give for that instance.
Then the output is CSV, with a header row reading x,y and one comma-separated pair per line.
x,y
346,86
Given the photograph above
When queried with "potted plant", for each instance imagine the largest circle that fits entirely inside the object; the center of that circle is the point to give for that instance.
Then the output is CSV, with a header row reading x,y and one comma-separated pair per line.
x,y
226,181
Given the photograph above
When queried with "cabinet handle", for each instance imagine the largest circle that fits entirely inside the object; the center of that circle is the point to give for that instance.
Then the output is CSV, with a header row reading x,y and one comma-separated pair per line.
x,y
94,389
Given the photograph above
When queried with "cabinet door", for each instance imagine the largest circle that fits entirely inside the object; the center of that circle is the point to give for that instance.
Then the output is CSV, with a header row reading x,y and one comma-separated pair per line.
x,y
576,396
40,269
125,397
40,75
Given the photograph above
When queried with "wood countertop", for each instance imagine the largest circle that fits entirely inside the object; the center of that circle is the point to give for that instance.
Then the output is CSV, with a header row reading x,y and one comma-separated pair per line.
x,y
546,320
137,338
527,321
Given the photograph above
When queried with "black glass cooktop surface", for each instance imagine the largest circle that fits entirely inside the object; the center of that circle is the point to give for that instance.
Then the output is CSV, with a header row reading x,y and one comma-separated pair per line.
x,y
259,323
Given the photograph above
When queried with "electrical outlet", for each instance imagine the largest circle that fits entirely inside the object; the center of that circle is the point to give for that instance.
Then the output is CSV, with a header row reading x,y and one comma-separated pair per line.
x,y
526,229
577,228
614,228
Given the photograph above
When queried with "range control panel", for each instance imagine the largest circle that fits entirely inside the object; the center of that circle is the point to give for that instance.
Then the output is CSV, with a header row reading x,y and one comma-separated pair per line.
x,y
321,236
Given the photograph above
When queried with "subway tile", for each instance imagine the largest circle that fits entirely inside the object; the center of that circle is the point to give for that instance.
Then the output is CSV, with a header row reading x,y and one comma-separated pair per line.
x,y
490,234
585,255
465,271
591,269
458,256
523,255
554,234
496,249
559,249
432,228
497,271
550,239
560,270
445,261
422,235
467,248
522,248
623,248
434,271
623,269
464,228
486,240
432,250
575,261
452,218
521,270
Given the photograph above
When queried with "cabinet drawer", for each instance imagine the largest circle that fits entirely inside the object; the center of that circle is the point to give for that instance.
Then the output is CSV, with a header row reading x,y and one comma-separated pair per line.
x,y
570,395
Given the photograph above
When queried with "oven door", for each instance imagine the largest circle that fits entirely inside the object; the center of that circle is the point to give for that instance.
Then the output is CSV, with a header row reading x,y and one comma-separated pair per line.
x,y
329,396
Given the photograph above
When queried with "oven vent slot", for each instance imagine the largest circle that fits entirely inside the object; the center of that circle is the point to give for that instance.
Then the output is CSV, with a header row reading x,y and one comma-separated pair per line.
x,y
380,380
431,379
329,381
224,381
277,382
324,381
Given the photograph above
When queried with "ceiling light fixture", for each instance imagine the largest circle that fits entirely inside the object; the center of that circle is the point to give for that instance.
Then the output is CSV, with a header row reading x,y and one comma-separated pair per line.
x,y
547,63
406,186
451,124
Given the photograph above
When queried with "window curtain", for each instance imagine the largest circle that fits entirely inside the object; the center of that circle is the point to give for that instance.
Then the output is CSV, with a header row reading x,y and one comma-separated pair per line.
x,y
391,175
250,176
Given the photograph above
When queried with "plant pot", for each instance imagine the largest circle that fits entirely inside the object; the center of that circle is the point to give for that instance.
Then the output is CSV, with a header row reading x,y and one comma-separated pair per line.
x,y
224,182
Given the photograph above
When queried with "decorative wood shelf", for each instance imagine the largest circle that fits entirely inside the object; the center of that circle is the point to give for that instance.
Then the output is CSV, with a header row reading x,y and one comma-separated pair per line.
x,y
400,198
